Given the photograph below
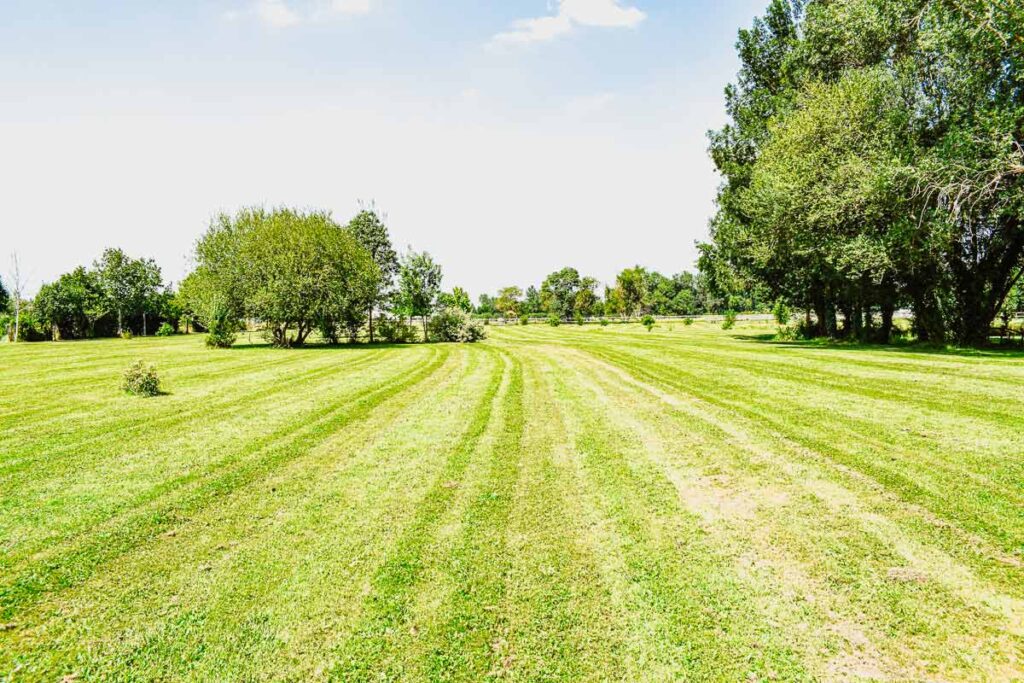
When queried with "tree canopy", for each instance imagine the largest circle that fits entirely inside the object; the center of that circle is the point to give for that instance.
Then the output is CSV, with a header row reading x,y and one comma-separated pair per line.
x,y
289,270
419,285
369,230
874,159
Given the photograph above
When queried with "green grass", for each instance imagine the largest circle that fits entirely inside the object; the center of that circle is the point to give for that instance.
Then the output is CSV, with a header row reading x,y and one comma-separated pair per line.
x,y
584,503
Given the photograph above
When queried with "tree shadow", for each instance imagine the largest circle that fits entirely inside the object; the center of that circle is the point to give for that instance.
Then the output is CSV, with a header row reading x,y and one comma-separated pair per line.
x,y
359,346
994,351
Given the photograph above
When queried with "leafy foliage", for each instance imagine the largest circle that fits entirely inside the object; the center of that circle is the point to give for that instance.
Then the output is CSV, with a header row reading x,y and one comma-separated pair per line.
x,y
455,325
369,230
222,327
141,379
729,320
875,158
419,286
396,330
291,271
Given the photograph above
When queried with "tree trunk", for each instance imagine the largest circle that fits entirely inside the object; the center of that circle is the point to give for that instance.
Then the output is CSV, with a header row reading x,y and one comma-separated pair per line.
x,y
120,329
143,323
424,328
928,319
371,324
17,318
885,332
849,321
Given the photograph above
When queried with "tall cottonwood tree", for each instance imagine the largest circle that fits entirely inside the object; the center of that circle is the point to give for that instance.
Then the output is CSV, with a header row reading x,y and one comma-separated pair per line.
x,y
370,231
875,157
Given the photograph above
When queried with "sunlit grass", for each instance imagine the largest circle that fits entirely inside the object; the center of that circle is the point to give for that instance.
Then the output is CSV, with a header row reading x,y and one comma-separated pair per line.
x,y
588,503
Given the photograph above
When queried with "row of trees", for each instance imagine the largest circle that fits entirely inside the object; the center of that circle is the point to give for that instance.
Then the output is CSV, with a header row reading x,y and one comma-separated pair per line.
x,y
566,295
116,294
874,160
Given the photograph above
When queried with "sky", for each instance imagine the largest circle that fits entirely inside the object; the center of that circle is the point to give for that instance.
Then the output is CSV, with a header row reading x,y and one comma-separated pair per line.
x,y
508,138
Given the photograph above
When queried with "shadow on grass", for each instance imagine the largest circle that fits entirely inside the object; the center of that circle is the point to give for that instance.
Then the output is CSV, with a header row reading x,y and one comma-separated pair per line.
x,y
317,346
994,351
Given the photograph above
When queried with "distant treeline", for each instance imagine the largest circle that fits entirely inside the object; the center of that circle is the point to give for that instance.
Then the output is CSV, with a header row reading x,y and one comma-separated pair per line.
x,y
875,160
566,295
291,273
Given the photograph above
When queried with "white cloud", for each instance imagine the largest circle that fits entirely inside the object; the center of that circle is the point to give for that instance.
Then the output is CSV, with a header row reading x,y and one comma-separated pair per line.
x,y
281,14
350,6
571,13
276,14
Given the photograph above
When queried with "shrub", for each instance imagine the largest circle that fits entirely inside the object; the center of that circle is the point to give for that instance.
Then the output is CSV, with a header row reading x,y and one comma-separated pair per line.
x,y
396,330
165,330
473,332
578,317
604,322
524,319
687,321
782,312
554,320
223,329
648,322
127,334
141,379
789,333
730,320
453,325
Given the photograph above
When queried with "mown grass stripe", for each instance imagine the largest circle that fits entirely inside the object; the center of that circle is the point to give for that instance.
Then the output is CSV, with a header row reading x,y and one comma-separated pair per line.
x,y
993,517
471,639
76,565
364,654
698,623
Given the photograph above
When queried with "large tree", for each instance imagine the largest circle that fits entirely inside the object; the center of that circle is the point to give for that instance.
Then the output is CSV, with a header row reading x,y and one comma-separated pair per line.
x,y
370,231
874,156
509,301
289,270
558,292
632,283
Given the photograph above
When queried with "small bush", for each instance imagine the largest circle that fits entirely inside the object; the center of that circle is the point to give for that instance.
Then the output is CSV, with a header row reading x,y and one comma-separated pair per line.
x,y
782,312
396,330
223,329
453,325
554,320
789,333
127,334
524,319
165,330
648,322
473,332
604,322
730,320
687,321
578,317
141,379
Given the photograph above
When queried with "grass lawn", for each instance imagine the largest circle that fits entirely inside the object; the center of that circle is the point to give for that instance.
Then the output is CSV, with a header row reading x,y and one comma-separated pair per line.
x,y
573,503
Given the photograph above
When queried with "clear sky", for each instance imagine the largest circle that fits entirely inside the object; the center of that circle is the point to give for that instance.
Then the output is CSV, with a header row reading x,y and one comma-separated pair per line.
x,y
508,138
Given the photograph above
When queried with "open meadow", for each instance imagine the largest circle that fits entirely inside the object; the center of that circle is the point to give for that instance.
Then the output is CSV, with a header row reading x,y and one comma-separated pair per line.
x,y
584,503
